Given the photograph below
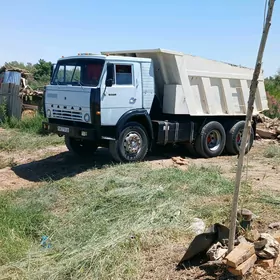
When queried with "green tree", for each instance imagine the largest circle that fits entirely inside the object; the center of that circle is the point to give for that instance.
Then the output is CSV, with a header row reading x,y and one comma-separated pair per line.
x,y
272,85
42,71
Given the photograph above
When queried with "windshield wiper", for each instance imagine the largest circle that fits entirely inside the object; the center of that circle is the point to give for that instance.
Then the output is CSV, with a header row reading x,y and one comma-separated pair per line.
x,y
56,83
80,84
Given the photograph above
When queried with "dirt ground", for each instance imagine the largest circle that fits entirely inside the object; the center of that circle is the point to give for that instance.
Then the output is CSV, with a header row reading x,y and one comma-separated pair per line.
x,y
27,169
31,168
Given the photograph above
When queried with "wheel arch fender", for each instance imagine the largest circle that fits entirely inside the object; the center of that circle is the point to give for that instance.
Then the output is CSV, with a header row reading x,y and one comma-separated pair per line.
x,y
136,115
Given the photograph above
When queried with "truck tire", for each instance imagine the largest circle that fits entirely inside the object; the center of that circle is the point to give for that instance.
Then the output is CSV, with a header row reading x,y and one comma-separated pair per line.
x,y
191,149
234,137
82,148
114,150
132,145
211,140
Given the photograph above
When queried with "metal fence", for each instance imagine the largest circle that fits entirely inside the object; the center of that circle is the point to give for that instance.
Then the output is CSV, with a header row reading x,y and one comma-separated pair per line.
x,y
9,96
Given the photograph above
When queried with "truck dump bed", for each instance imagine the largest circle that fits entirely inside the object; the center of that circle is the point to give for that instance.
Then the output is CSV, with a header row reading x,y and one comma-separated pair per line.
x,y
196,86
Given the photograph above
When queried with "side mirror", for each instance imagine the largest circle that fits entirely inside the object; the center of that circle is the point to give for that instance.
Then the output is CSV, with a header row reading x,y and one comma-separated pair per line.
x,y
110,75
109,82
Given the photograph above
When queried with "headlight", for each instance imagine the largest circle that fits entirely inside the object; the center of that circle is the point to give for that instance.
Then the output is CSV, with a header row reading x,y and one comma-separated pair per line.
x,y
49,113
86,117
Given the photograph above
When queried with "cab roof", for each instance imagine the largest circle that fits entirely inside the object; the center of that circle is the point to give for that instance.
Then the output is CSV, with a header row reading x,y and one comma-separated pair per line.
x,y
106,57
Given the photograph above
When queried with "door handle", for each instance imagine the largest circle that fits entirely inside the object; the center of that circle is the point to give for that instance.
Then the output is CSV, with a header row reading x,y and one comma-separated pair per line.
x,y
132,100
112,94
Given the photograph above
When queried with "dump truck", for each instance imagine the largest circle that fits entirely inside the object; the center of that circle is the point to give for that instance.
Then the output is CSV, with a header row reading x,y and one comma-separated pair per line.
x,y
134,101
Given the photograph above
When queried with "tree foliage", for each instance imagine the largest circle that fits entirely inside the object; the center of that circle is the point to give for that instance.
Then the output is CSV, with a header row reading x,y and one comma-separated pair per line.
x,y
272,85
42,70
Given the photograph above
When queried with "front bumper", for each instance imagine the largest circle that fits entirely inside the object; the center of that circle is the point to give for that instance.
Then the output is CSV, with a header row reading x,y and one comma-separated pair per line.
x,y
71,131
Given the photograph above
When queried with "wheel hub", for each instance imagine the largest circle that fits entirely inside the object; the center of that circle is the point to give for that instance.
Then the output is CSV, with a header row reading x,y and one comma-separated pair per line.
x,y
239,137
132,143
214,140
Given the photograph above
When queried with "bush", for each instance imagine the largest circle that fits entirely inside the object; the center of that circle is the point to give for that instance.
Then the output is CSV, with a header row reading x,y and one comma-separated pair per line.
x,y
30,125
274,107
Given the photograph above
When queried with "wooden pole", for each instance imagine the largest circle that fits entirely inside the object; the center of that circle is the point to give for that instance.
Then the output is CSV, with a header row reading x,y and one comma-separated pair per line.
x,y
248,123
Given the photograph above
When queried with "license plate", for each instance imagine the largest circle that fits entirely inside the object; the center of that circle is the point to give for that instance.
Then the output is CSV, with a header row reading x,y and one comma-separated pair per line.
x,y
63,129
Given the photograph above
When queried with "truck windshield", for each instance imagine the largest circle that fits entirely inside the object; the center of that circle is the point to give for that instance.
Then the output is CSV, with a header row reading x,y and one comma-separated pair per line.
x,y
78,72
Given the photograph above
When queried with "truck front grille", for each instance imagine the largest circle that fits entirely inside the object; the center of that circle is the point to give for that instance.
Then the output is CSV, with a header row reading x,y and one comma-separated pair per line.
x,y
67,115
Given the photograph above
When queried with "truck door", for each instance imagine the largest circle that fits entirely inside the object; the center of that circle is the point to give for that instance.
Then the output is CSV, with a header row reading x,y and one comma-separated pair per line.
x,y
124,94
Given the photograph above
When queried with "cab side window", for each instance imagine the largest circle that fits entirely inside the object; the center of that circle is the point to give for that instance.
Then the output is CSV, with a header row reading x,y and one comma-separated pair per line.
x,y
123,75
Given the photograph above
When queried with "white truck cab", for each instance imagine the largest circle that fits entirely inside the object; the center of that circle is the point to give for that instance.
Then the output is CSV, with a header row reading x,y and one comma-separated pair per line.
x,y
129,100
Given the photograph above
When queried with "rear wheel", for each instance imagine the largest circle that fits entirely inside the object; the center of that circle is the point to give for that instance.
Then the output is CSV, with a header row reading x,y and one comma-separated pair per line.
x,y
191,149
211,140
234,137
132,144
80,147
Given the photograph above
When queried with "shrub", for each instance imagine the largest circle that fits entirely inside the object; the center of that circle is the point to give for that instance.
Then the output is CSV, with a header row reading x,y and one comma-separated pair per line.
x,y
30,125
274,107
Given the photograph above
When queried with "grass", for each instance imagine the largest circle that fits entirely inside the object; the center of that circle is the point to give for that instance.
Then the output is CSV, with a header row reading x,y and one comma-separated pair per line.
x,y
19,225
272,151
6,162
101,226
25,134
272,199
12,140
105,224
29,124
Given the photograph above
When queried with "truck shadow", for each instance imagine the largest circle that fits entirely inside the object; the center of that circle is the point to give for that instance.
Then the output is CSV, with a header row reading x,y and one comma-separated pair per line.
x,y
66,165
61,166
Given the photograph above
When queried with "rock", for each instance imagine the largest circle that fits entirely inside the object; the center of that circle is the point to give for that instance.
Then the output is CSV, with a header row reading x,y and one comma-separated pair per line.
x,y
276,236
253,235
245,217
180,161
216,252
245,213
258,137
271,248
278,137
266,263
260,244
274,225
278,130
198,226
265,133
241,239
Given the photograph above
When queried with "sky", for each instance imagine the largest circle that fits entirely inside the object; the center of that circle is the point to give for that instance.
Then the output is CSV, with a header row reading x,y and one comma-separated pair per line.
x,y
224,30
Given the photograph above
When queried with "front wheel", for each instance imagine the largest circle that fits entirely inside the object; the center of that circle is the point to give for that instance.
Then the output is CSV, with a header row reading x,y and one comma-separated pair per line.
x,y
79,147
132,144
